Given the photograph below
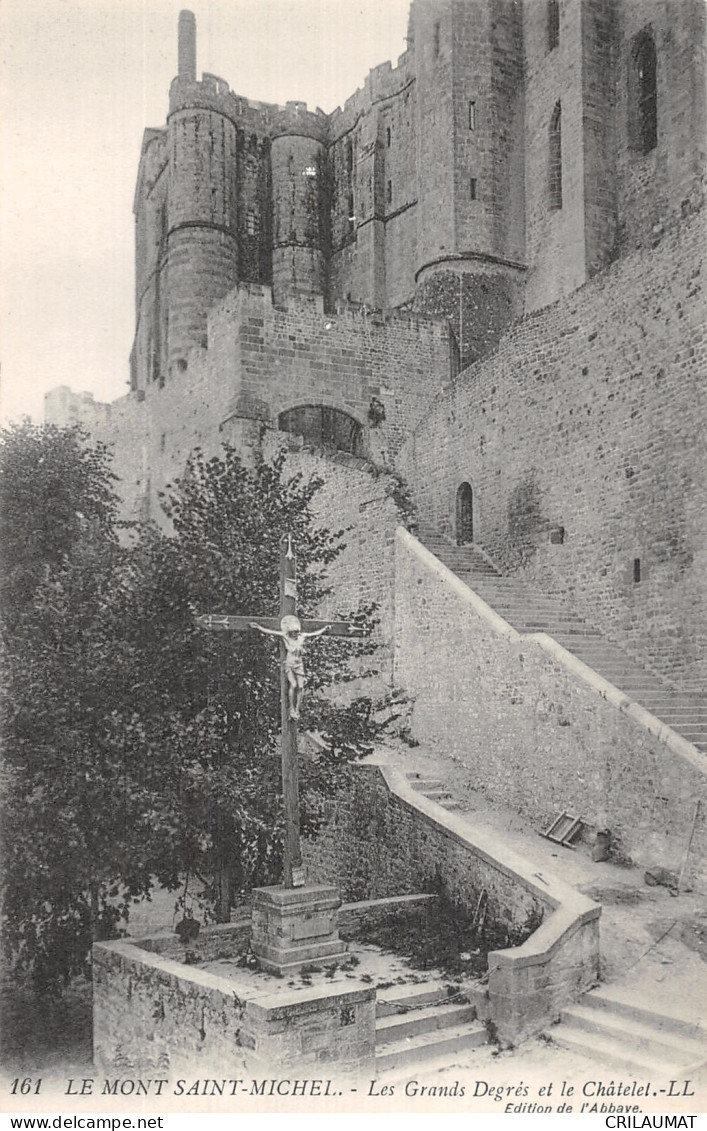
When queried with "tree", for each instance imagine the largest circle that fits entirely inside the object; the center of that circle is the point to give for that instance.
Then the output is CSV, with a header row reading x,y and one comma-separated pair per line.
x,y
60,551
139,748
53,487
220,694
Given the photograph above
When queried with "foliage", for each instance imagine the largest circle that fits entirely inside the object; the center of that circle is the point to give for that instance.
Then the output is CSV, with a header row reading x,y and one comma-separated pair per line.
x,y
139,747
398,489
53,487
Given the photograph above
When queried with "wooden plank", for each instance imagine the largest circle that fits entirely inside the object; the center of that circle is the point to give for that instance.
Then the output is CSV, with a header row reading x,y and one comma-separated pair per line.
x,y
293,872
218,622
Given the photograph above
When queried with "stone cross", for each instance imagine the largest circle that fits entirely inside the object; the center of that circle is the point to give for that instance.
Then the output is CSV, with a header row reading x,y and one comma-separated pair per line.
x,y
292,863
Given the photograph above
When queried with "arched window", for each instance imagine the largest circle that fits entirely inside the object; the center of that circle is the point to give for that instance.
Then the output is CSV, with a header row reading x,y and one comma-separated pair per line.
x,y
323,427
553,24
465,514
555,158
643,93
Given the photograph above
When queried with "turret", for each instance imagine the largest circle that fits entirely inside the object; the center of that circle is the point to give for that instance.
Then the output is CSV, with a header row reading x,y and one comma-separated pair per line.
x,y
300,211
202,245
187,46
470,237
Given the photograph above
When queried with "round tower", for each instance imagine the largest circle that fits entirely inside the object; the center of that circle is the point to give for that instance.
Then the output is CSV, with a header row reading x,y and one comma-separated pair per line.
x,y
299,205
470,172
202,248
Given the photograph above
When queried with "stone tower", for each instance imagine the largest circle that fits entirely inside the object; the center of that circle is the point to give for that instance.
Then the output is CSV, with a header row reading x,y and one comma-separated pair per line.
x,y
468,61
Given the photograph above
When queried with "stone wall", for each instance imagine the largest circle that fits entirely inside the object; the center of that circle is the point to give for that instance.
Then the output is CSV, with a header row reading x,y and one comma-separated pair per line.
x,y
536,730
152,1011
554,236
655,187
152,1014
260,361
375,845
382,838
591,416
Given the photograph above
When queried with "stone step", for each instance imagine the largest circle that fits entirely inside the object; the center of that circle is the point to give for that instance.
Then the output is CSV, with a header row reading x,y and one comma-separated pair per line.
x,y
551,627
505,588
612,999
681,724
530,611
613,666
401,999
518,606
398,1027
478,576
655,699
414,1050
461,553
651,1039
628,683
508,591
491,587
569,637
470,562
681,727
433,789
698,713
616,664
618,1054
423,784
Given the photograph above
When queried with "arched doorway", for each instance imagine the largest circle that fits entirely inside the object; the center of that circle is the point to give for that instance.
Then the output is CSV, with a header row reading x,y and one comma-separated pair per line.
x,y
465,514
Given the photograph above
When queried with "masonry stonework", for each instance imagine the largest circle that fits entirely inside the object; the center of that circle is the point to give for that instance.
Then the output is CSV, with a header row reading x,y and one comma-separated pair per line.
x,y
380,837
522,726
485,268
591,416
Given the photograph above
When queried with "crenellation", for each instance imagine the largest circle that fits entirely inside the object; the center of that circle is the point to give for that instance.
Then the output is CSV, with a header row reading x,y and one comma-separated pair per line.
x,y
474,270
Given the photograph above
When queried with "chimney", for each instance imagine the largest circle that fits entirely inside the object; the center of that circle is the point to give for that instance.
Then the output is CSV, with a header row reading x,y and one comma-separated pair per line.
x,y
187,46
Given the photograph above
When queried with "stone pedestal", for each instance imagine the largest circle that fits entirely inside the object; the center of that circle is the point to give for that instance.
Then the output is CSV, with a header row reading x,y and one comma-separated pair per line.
x,y
293,927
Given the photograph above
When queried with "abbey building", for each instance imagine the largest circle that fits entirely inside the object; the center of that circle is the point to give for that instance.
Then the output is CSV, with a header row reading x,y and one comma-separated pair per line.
x,y
484,274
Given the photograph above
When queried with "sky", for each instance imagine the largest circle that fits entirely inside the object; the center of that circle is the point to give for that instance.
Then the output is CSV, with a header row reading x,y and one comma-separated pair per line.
x,y
79,82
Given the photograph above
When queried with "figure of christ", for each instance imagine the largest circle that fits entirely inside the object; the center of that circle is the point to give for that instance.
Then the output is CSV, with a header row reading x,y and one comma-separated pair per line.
x,y
290,632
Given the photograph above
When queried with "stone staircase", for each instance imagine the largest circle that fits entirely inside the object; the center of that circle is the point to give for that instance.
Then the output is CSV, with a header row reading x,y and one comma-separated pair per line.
x,y
416,1023
610,1027
527,611
434,789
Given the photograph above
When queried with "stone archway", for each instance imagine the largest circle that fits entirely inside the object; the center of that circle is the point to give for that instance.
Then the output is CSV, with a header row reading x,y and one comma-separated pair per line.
x,y
323,426
465,514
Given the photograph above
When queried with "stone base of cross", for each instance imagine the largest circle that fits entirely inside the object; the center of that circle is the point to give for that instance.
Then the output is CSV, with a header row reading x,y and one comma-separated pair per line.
x,y
293,927
293,923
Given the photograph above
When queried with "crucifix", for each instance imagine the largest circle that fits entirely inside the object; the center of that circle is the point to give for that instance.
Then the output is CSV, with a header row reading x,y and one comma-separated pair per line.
x,y
293,634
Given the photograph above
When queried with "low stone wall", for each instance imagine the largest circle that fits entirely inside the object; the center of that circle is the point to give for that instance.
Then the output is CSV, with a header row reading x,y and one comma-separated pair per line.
x,y
383,836
537,729
152,1013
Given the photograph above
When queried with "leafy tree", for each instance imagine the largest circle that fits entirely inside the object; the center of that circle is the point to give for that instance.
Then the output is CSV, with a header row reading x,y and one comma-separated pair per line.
x,y
53,487
140,748
219,692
